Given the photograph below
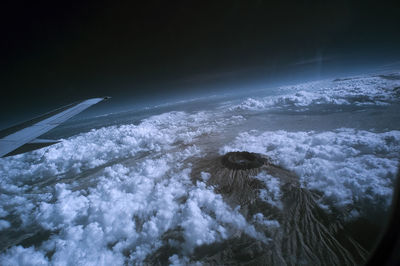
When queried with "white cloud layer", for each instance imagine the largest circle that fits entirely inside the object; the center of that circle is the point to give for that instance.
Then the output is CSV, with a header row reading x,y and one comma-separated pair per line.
x,y
349,167
358,91
123,215
108,196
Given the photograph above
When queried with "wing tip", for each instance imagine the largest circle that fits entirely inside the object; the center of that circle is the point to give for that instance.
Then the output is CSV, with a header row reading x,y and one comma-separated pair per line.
x,y
92,101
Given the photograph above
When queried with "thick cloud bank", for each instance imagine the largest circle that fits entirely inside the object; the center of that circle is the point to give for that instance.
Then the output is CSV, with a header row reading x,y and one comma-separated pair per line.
x,y
349,167
119,194
358,91
123,216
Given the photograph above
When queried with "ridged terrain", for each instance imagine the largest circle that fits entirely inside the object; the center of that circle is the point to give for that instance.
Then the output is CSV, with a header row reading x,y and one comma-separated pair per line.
x,y
306,235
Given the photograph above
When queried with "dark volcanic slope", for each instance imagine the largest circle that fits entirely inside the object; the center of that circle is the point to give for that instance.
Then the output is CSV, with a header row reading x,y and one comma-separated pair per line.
x,y
305,233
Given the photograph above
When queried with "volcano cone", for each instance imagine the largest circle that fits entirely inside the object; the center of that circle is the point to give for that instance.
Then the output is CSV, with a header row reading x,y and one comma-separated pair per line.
x,y
305,233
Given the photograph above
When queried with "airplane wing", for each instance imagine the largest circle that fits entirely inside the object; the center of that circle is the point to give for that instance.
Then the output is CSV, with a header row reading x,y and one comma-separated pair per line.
x,y
23,137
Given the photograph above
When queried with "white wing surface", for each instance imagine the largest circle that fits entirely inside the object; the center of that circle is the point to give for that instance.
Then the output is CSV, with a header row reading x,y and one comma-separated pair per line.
x,y
23,137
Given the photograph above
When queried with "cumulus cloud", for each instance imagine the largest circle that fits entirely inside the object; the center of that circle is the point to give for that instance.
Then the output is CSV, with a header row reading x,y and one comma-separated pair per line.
x,y
272,194
122,214
371,90
4,224
19,256
111,195
348,166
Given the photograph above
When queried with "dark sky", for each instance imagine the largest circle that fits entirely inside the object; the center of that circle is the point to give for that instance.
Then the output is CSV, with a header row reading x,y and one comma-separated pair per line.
x,y
57,52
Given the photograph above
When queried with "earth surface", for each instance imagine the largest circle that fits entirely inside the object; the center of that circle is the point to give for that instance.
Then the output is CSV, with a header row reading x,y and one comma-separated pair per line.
x,y
298,174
